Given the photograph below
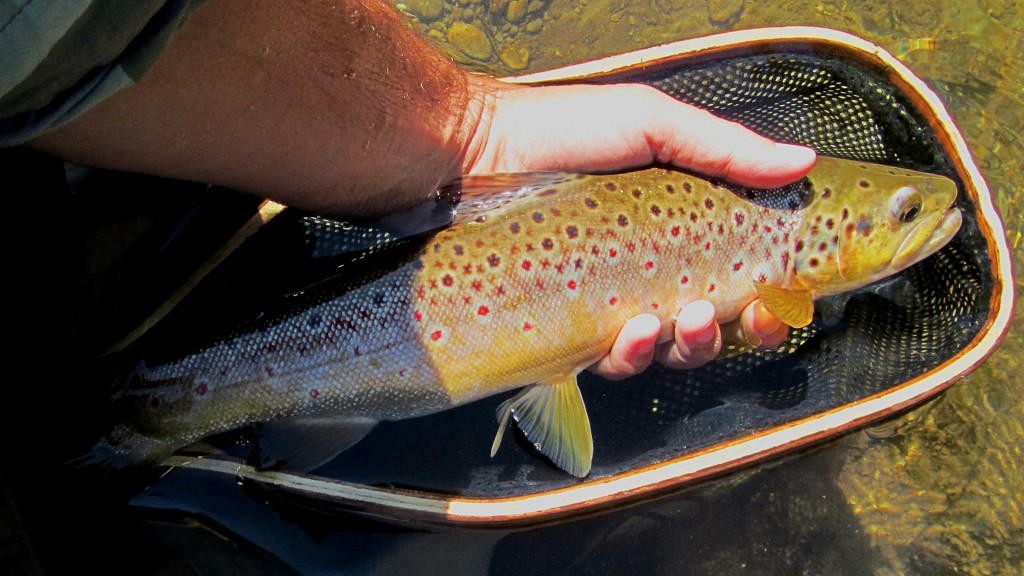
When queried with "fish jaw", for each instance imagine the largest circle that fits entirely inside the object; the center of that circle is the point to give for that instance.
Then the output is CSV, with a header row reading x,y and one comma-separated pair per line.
x,y
927,240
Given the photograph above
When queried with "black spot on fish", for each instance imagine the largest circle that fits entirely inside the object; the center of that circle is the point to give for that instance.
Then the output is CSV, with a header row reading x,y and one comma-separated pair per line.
x,y
493,260
670,189
538,217
826,192
864,184
799,245
549,192
610,186
590,203
656,210
572,231
447,280
623,221
547,243
578,263
687,188
637,193
709,203
514,227
459,250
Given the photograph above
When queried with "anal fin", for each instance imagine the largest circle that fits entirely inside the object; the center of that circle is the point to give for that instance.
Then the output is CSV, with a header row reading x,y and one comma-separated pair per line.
x,y
304,444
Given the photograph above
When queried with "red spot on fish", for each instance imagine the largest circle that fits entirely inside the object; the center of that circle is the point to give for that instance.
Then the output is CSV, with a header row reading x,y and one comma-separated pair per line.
x,y
418,316
612,252
447,280
526,265
545,264
613,300
201,389
676,230
493,260
785,260
813,262
654,305
707,245
571,284
527,326
737,265
467,299
762,277
477,285
270,371
767,229
500,290
711,288
648,265
738,218
684,280
402,372
313,393
483,311
435,335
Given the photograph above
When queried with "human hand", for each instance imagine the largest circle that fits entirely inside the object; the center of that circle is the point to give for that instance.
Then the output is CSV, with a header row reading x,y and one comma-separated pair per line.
x,y
694,340
598,128
611,127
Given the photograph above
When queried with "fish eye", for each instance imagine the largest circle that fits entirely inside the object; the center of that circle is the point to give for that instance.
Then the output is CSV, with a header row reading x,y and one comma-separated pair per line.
x,y
910,212
905,204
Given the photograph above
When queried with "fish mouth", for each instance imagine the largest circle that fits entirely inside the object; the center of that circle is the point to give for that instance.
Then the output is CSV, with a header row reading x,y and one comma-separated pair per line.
x,y
912,250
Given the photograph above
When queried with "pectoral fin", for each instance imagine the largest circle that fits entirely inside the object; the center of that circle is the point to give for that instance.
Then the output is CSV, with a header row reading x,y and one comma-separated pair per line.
x,y
793,307
307,443
554,419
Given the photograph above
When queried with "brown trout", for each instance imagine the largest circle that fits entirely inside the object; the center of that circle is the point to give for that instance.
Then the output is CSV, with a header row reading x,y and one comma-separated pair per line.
x,y
529,293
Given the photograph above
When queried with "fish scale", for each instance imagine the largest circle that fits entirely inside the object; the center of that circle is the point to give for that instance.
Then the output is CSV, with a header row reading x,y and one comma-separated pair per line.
x,y
525,293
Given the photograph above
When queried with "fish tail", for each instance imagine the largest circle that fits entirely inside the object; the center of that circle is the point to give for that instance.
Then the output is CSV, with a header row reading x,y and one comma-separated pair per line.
x,y
124,447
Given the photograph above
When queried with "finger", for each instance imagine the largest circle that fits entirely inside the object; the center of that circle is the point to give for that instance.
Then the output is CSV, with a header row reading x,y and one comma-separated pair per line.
x,y
695,139
633,349
761,328
697,340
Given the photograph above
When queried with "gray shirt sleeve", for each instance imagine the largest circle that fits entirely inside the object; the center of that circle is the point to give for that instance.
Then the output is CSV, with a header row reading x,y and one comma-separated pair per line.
x,y
61,57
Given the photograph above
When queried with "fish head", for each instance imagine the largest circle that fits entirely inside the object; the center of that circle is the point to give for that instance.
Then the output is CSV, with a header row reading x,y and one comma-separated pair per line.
x,y
868,221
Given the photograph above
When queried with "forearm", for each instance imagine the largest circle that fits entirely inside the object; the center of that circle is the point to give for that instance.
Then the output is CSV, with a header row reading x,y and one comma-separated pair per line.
x,y
332,106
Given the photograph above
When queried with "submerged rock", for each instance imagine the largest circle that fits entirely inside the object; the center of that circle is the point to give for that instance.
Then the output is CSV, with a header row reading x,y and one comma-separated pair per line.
x,y
470,39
